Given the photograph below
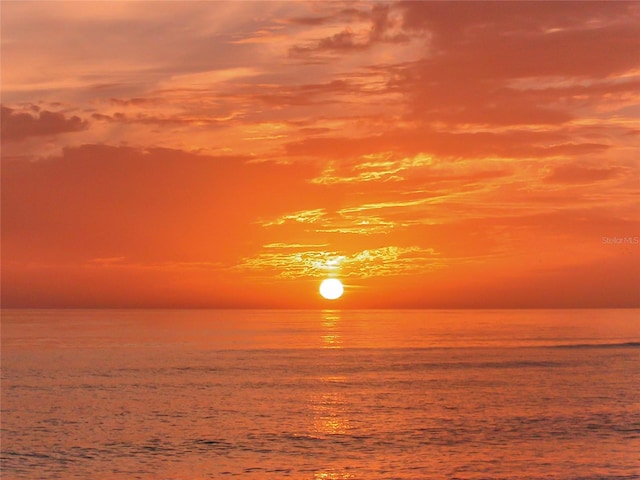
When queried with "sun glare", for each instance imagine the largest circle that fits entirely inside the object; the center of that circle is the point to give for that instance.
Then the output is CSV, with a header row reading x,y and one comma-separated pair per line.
x,y
331,288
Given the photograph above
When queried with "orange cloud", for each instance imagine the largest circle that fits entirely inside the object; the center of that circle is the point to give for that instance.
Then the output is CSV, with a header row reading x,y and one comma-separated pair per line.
x,y
378,262
17,126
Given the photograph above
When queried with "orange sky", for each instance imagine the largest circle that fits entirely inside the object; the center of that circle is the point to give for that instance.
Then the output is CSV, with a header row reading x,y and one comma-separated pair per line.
x,y
233,154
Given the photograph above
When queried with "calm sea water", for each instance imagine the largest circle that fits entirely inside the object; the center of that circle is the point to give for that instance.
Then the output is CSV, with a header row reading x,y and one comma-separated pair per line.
x,y
153,394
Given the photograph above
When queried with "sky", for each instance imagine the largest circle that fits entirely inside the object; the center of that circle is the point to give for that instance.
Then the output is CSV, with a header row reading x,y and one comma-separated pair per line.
x,y
233,154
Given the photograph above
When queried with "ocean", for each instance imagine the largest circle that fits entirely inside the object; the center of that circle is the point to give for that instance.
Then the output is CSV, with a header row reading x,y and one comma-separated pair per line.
x,y
259,394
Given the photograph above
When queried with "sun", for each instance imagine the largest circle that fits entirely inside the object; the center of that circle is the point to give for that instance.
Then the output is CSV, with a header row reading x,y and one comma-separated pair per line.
x,y
331,288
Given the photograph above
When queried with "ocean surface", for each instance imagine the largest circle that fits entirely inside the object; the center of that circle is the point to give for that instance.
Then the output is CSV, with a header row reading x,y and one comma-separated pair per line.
x,y
208,394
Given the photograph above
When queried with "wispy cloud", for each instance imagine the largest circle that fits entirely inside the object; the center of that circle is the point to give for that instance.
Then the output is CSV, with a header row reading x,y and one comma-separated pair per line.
x,y
383,261
375,24
304,216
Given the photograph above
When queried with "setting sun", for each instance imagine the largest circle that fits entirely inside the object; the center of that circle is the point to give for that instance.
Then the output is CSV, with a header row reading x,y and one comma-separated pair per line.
x,y
331,288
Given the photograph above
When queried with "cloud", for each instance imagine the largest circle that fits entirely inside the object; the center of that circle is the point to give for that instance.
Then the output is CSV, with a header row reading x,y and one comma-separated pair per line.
x,y
160,119
210,78
515,143
304,216
382,170
380,167
383,27
377,262
330,15
293,246
64,50
456,24
474,51
344,221
576,173
344,40
17,126
148,205
334,91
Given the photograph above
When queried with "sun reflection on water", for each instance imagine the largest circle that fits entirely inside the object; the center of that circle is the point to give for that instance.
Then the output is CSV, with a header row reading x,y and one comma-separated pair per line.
x,y
332,475
331,336
328,403
330,414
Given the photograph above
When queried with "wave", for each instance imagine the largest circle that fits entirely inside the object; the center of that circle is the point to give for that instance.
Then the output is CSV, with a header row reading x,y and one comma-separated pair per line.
x,y
600,345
